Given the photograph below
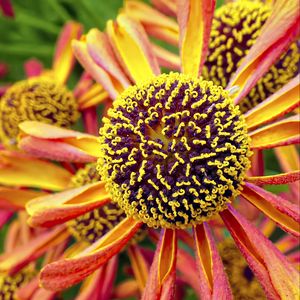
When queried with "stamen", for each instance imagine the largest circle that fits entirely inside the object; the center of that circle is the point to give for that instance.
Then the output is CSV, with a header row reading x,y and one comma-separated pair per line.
x,y
184,154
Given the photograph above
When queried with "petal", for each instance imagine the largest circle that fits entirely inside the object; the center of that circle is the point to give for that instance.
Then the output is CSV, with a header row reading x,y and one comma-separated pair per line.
x,y
131,45
283,178
278,277
7,8
63,58
257,163
126,289
161,282
99,285
194,19
81,53
155,23
17,169
90,120
187,266
281,211
168,7
33,67
93,96
21,256
280,103
267,227
166,58
58,208
102,54
5,216
213,280
139,265
51,142
284,132
64,273
287,243
281,28
16,199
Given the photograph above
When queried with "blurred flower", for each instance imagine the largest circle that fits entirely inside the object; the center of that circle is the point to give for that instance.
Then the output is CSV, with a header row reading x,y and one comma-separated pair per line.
x,y
174,151
7,8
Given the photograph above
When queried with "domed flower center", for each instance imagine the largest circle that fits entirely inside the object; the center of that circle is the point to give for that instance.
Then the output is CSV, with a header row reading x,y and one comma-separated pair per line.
x,y
93,225
243,283
235,29
10,284
174,151
37,99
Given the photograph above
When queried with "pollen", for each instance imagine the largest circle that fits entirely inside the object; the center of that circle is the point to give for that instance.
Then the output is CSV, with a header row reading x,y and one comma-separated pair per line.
x,y
10,284
174,151
244,284
90,226
235,29
36,99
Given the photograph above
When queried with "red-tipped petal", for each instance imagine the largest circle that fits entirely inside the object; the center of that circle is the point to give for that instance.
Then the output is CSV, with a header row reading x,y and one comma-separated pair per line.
x,y
168,7
139,265
279,104
64,58
19,257
213,280
64,273
4,217
19,169
194,19
284,132
284,213
33,67
58,208
283,178
131,44
7,8
161,281
278,277
281,28
101,76
15,199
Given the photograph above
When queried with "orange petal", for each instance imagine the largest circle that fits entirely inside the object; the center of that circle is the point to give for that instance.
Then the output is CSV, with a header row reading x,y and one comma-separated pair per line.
x,y
194,19
280,103
278,277
20,256
16,199
126,289
100,75
281,28
284,213
284,132
161,282
64,58
99,285
139,265
166,58
17,169
48,141
168,7
131,45
283,178
58,208
287,243
155,23
213,280
64,273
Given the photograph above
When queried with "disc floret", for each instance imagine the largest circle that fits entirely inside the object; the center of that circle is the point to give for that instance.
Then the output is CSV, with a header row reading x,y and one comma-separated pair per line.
x,y
36,99
174,151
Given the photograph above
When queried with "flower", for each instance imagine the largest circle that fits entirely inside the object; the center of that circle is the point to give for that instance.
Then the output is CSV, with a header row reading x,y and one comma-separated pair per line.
x,y
152,126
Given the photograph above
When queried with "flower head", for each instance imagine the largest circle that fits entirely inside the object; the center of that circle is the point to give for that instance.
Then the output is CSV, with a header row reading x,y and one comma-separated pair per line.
x,y
182,159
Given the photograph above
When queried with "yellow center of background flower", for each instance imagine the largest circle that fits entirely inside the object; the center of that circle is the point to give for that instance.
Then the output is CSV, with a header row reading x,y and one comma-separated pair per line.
x,y
243,283
235,29
174,151
37,99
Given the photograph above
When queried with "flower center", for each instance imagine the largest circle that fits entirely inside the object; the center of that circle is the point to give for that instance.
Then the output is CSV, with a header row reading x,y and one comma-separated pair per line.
x,y
174,151
94,224
10,284
235,28
243,283
36,99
